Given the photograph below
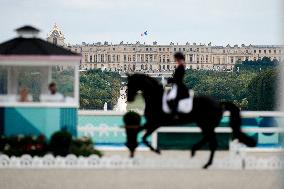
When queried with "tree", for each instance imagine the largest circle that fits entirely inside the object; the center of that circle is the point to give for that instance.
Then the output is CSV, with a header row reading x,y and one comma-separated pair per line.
x,y
262,91
97,87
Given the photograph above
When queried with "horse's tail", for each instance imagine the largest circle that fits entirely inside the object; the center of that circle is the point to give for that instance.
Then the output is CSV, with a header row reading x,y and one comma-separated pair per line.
x,y
235,124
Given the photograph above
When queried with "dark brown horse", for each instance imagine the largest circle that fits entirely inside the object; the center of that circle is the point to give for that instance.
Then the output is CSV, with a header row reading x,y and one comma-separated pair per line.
x,y
206,113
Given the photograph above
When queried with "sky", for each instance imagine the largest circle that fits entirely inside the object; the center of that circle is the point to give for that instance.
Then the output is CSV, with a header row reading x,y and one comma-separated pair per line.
x,y
221,22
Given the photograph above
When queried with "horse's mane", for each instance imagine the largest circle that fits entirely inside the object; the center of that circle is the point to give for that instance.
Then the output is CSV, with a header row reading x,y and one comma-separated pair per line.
x,y
150,80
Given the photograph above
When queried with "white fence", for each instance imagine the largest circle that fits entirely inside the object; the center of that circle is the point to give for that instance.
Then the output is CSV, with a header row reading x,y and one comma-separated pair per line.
x,y
237,158
231,162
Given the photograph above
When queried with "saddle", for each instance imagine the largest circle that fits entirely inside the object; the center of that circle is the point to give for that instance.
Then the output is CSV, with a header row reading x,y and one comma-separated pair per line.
x,y
184,105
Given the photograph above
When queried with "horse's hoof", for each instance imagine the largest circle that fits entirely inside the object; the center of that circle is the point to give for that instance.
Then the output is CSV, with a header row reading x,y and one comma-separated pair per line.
x,y
206,166
193,153
158,151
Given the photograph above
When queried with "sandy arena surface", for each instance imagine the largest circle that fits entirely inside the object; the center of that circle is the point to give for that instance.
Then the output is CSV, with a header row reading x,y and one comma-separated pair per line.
x,y
140,178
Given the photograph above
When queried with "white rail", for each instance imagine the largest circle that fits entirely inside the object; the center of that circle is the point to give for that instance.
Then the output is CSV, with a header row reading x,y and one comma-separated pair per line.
x,y
243,113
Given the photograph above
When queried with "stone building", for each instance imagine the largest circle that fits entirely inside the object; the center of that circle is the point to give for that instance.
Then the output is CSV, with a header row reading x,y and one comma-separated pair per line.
x,y
140,57
152,58
56,36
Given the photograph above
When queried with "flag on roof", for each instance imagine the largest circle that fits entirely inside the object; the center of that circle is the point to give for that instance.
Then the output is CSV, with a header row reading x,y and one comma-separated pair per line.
x,y
144,33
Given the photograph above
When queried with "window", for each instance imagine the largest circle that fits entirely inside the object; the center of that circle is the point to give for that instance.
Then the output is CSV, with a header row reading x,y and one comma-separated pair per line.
x,y
264,51
159,49
91,58
55,41
174,49
259,51
146,49
31,84
254,51
183,49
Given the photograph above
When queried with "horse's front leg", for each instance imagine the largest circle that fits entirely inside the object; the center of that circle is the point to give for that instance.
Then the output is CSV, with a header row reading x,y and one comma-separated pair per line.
x,y
149,131
212,146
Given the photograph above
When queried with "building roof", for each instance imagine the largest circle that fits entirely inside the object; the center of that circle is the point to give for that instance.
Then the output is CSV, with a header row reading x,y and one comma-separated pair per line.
x,y
56,31
32,46
27,43
27,28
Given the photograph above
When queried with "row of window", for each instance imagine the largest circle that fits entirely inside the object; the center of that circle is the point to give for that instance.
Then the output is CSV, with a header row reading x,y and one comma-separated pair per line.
x,y
160,58
165,49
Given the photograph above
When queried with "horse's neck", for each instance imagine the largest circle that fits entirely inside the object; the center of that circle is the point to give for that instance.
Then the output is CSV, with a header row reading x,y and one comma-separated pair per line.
x,y
152,96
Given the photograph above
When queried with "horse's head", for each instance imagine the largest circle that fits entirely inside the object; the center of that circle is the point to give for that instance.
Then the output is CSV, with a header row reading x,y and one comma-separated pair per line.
x,y
144,83
133,86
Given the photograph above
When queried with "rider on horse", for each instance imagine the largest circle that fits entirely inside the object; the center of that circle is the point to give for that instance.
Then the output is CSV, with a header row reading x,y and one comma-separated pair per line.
x,y
177,79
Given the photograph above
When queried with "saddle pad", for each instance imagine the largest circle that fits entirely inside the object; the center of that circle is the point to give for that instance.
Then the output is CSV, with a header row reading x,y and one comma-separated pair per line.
x,y
184,105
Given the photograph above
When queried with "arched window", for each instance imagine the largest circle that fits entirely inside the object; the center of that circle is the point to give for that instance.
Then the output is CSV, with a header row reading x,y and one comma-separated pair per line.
x,y
55,41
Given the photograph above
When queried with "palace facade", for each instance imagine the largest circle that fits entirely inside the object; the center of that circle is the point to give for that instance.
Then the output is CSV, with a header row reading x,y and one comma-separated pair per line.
x,y
140,57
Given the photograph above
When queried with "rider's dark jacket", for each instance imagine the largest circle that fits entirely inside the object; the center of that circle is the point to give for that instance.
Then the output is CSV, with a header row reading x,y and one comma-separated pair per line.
x,y
182,91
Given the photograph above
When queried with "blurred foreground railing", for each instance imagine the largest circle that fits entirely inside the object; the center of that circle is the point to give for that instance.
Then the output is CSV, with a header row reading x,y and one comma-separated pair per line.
x,y
105,129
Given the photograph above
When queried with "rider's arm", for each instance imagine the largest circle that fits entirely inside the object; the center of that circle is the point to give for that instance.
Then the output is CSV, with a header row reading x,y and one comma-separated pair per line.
x,y
179,74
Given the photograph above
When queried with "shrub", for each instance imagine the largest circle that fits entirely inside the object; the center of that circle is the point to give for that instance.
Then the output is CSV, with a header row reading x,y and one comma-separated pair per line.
x,y
19,145
131,118
83,147
132,122
60,143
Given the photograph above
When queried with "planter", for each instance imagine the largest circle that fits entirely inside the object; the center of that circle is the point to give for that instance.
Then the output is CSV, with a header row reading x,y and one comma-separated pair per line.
x,y
132,122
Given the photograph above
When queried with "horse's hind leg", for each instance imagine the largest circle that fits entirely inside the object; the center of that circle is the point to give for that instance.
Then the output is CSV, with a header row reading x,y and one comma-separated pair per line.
x,y
144,139
198,145
212,147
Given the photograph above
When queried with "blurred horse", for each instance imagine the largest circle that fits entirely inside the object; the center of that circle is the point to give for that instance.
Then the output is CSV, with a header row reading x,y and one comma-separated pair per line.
x,y
206,113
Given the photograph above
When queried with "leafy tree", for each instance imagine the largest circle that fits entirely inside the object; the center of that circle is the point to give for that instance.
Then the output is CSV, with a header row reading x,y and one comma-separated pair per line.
x,y
262,91
236,87
98,87
260,64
